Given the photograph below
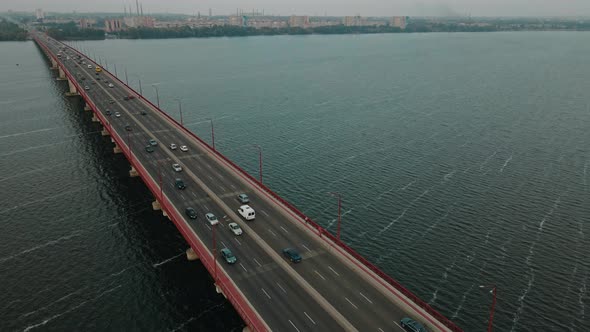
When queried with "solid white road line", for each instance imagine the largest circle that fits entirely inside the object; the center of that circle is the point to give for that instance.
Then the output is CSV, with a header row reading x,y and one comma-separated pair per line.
x,y
309,317
336,273
321,276
265,293
281,287
366,298
351,303
294,326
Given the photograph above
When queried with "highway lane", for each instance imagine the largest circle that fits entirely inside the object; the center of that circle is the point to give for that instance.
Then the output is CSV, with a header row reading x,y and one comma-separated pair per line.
x,y
360,302
294,309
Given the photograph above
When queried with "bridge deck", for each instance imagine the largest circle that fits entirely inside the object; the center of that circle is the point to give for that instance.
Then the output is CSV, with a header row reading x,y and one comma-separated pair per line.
x,y
328,291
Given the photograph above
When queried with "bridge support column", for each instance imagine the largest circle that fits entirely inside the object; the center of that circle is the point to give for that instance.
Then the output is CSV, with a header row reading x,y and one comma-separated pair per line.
x,y
73,90
104,132
94,118
87,108
156,206
219,291
246,329
191,255
62,75
53,64
117,149
133,172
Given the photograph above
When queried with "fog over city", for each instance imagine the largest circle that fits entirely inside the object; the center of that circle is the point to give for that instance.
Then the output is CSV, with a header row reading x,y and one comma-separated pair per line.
x,y
322,7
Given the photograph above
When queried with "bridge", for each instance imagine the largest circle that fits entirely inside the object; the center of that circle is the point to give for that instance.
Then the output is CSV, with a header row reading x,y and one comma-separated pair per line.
x,y
333,288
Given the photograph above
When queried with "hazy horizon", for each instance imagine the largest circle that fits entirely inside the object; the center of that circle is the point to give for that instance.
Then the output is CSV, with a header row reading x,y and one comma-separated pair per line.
x,y
510,8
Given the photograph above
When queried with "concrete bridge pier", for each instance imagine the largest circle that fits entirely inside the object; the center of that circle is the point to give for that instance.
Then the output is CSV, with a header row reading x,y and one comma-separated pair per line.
x,y
53,63
191,255
246,329
104,132
62,75
73,91
117,149
94,118
157,207
133,172
87,108
219,290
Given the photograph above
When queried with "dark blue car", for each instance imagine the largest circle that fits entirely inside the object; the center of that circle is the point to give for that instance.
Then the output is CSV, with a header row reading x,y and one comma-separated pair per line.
x,y
411,325
292,255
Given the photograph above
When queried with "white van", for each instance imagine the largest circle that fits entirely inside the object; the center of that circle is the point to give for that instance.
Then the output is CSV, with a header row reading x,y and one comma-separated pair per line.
x,y
247,212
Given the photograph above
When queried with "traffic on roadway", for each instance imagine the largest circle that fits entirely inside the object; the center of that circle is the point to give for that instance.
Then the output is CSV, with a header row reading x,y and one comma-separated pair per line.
x,y
293,280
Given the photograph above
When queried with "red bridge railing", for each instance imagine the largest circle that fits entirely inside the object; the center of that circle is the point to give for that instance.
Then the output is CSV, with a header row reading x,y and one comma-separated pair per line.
x,y
365,265
223,282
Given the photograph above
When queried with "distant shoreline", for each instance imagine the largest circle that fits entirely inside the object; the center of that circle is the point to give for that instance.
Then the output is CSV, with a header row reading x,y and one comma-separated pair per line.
x,y
231,31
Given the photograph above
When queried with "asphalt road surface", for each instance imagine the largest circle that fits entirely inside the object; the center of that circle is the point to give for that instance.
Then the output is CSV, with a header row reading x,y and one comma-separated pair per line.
x,y
333,294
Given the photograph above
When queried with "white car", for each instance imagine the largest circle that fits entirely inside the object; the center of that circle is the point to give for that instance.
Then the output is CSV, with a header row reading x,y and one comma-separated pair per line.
x,y
89,66
183,148
87,88
111,85
247,212
172,146
177,167
117,114
212,219
235,228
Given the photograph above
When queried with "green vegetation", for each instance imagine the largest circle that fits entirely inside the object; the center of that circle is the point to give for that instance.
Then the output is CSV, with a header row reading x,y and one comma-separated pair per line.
x,y
235,31
10,31
70,31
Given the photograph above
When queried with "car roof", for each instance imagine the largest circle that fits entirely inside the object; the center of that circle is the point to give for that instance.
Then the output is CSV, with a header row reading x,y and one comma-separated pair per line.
x,y
226,250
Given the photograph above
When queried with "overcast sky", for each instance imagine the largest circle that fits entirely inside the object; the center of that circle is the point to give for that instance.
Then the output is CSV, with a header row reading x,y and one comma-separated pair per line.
x,y
320,7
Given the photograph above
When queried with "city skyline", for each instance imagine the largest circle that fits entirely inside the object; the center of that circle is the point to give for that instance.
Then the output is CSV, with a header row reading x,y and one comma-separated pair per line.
x,y
320,8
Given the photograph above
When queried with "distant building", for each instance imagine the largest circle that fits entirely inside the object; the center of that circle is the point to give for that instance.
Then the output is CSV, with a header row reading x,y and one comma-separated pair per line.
x,y
237,20
139,21
299,21
113,25
39,14
85,23
398,22
352,21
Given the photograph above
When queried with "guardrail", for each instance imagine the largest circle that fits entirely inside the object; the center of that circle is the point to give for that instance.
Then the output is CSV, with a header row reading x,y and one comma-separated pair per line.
x,y
229,289
366,265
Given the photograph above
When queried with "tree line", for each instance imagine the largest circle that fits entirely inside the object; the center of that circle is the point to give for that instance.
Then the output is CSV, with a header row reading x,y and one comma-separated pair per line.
x,y
11,32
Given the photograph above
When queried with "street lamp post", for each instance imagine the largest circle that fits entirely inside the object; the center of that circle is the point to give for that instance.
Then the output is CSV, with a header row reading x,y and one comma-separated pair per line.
x,y
490,321
212,133
139,80
160,176
259,161
157,94
339,211
180,110
214,253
